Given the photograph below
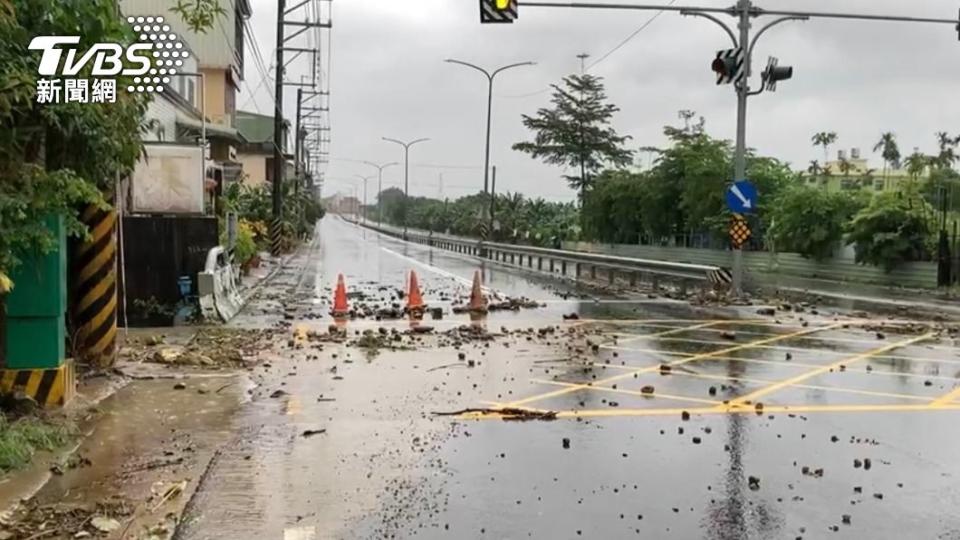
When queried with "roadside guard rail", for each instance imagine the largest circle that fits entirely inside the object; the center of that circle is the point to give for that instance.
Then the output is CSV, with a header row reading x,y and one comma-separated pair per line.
x,y
552,260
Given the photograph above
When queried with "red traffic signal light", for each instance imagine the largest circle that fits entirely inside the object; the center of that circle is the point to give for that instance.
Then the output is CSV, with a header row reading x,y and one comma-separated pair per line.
x,y
729,66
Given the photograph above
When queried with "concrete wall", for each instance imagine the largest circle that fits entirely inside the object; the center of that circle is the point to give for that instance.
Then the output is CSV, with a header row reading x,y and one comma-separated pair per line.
x,y
255,167
914,275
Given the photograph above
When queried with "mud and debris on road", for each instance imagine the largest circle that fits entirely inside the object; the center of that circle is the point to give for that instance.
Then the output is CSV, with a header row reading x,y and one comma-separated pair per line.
x,y
590,414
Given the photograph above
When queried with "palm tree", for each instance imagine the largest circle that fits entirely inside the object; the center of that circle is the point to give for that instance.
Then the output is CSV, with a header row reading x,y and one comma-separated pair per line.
x,y
845,167
824,139
814,169
889,151
947,156
916,163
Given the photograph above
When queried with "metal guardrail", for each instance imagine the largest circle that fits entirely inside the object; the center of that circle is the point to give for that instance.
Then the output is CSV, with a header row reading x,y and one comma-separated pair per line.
x,y
536,257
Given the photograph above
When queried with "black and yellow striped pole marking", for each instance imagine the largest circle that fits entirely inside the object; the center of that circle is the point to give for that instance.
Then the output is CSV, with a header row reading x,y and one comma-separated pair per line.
x,y
95,289
276,237
53,387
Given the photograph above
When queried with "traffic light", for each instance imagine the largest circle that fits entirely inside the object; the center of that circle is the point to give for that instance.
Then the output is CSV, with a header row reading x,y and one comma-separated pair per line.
x,y
775,73
498,11
728,65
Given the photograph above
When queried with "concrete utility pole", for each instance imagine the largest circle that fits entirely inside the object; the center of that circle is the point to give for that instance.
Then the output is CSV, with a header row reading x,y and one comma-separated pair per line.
x,y
744,11
279,160
406,176
380,169
276,232
490,76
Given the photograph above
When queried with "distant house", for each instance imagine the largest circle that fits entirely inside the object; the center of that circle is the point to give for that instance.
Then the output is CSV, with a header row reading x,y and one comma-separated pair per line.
x,y
256,154
853,172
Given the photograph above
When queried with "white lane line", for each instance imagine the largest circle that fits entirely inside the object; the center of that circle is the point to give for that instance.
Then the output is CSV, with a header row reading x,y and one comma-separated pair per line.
x,y
434,269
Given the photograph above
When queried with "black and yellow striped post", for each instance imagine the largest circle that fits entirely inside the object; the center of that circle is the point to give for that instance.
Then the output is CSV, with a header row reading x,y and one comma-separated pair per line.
x,y
276,237
95,289
52,387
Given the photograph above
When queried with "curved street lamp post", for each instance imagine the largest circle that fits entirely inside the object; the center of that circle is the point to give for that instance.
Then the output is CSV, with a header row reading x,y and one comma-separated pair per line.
x,y
406,175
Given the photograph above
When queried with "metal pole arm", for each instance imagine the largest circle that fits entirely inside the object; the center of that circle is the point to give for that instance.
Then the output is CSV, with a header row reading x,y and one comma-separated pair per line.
x,y
768,26
469,65
710,17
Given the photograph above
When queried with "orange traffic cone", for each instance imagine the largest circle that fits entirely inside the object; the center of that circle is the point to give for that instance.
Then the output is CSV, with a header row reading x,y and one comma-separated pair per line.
x,y
415,305
340,308
478,304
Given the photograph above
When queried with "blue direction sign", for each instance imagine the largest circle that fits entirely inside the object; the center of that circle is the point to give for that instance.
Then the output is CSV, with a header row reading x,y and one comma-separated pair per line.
x,y
742,197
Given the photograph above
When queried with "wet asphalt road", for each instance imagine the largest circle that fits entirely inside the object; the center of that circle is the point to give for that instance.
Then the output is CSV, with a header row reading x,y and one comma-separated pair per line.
x,y
855,436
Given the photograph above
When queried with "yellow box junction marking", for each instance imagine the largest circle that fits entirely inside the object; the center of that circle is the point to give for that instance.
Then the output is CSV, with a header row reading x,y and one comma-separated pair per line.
x,y
753,396
946,399
678,362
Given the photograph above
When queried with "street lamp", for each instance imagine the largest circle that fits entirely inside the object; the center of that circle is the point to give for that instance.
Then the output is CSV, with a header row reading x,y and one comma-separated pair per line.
x,y
406,175
490,76
380,169
364,207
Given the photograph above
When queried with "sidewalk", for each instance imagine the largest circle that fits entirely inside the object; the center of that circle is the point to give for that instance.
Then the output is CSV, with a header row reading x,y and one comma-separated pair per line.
x,y
860,296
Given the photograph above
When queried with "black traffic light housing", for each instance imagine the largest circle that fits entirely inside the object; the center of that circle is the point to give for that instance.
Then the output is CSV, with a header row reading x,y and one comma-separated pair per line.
x,y
775,73
728,65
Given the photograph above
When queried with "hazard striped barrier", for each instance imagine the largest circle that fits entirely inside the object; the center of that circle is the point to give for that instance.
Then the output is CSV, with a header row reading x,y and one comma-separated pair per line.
x,y
52,387
95,288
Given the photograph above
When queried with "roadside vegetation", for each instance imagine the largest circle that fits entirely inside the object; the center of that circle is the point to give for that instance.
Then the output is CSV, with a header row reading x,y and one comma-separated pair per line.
x,y
254,212
676,198
21,438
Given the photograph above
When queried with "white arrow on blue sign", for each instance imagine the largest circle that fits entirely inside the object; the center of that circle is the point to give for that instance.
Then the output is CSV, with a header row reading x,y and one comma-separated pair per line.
x,y
742,197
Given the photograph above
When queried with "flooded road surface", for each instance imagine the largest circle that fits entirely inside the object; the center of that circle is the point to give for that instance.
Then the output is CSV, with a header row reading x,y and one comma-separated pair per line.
x,y
657,419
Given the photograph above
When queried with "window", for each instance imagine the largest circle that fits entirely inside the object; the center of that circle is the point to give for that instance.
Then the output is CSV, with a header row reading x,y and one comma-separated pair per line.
x,y
878,184
191,89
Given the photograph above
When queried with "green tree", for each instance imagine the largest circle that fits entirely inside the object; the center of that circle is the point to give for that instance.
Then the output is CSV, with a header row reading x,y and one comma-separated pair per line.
x,y
947,154
576,131
894,228
889,151
199,15
824,139
613,211
917,164
810,221
56,158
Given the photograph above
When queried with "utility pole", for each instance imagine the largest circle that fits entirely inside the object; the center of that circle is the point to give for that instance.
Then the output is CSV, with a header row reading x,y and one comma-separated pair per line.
x,y
297,143
380,169
406,176
744,11
276,230
279,160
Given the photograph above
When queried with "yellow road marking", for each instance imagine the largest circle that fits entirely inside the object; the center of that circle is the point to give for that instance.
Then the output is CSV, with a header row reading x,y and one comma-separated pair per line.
x,y
660,395
761,334
818,351
793,381
702,356
772,409
784,363
670,332
946,398
294,407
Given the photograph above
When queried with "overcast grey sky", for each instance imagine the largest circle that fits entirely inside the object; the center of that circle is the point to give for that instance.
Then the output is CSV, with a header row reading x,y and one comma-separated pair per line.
x,y
389,79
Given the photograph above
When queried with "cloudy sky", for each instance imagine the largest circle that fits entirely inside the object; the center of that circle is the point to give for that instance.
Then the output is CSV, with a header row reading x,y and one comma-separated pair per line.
x,y
388,79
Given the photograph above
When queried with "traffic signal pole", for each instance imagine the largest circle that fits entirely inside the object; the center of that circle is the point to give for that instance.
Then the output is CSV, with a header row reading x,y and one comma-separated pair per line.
x,y
740,159
744,11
